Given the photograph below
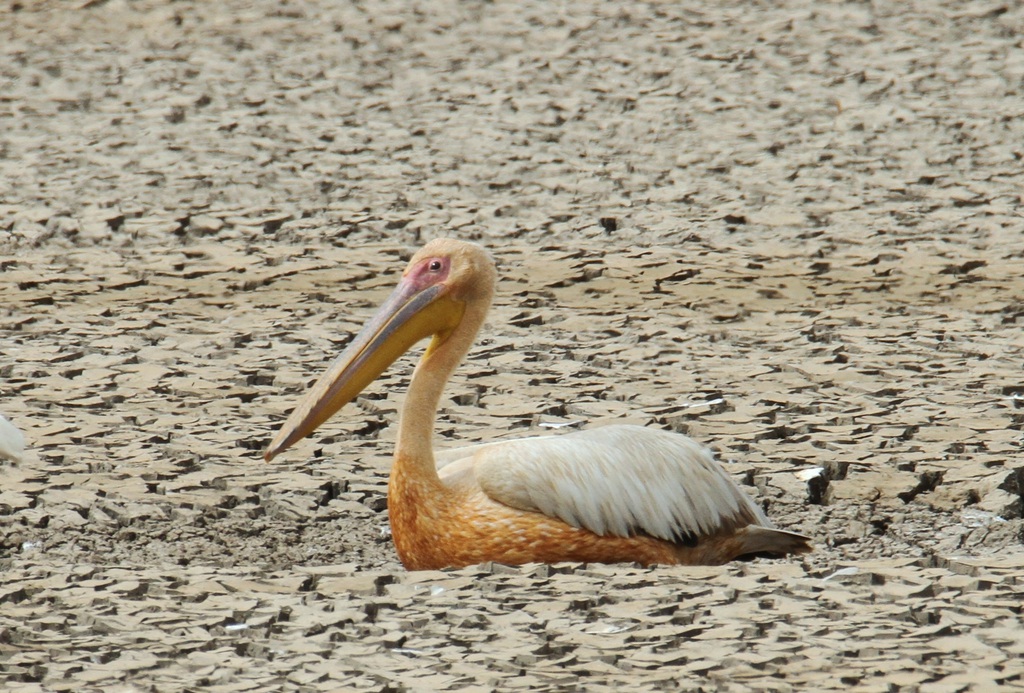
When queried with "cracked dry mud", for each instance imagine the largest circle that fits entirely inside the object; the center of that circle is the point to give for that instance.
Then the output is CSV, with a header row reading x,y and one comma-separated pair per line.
x,y
790,230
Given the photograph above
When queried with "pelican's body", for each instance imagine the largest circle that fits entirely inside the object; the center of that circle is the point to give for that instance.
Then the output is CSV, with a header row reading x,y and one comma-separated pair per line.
x,y
611,494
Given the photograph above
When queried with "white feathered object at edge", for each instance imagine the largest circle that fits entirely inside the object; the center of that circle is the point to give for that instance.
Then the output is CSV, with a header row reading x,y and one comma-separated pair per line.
x,y
12,442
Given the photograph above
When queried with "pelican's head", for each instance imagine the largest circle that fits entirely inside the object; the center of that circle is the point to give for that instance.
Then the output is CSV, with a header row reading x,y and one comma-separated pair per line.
x,y
444,279
462,270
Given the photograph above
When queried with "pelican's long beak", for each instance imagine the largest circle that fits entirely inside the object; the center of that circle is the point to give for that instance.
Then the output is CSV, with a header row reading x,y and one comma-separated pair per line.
x,y
410,314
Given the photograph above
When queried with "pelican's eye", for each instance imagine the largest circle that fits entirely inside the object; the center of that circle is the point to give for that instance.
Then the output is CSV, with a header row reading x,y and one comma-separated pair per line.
x,y
429,271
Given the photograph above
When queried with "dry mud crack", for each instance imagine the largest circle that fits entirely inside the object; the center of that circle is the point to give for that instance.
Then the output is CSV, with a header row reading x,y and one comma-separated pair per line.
x,y
792,231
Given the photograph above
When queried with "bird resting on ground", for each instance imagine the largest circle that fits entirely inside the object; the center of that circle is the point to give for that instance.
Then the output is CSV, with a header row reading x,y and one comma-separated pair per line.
x,y
610,494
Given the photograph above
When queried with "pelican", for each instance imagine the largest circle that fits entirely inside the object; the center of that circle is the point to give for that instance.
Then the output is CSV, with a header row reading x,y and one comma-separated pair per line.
x,y
611,494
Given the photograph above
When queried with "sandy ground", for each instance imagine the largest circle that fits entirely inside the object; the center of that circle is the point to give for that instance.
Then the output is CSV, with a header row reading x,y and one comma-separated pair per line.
x,y
791,230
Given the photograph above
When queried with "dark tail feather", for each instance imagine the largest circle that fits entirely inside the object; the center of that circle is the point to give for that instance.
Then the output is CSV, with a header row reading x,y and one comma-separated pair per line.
x,y
765,541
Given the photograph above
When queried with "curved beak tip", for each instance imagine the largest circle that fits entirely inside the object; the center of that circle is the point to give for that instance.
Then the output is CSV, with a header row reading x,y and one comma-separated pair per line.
x,y
273,450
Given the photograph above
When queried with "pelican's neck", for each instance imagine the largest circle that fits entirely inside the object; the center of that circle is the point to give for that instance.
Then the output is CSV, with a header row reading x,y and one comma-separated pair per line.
x,y
414,452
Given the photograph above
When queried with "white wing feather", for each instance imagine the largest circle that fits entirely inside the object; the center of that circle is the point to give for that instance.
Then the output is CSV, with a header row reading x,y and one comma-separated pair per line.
x,y
614,480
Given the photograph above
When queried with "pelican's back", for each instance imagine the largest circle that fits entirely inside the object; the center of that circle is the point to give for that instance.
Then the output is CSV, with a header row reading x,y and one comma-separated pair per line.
x,y
623,481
